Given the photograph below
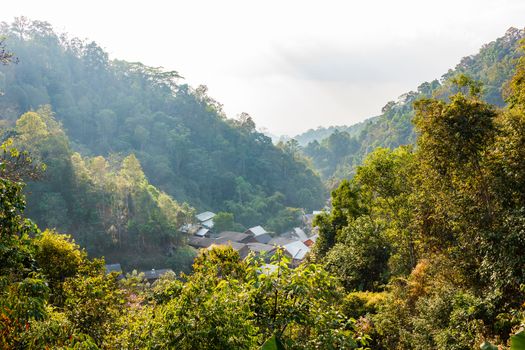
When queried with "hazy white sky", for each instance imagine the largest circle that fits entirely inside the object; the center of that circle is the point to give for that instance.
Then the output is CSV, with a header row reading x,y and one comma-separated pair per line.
x,y
292,65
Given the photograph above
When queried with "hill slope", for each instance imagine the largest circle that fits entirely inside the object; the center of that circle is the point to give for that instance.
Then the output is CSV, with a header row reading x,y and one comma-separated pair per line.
x,y
185,143
493,66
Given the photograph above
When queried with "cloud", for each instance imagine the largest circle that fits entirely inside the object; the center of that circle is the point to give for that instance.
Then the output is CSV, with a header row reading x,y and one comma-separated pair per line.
x,y
396,62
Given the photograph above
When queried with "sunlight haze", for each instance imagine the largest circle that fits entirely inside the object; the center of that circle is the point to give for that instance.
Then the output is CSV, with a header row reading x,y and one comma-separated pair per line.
x,y
291,65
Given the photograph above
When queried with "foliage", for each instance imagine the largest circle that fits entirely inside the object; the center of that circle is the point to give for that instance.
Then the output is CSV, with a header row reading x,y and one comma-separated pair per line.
x,y
184,142
6,56
108,204
422,248
450,213
360,258
345,207
59,258
53,296
93,304
225,222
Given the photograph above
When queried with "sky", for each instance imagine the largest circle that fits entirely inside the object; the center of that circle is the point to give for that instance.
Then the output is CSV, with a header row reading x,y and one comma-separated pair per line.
x,y
292,65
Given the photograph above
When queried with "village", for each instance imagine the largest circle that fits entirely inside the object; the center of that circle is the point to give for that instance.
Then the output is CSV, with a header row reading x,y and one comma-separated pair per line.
x,y
295,243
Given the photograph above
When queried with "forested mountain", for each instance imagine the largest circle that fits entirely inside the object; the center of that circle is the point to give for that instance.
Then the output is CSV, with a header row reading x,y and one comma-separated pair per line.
x,y
338,155
322,132
184,142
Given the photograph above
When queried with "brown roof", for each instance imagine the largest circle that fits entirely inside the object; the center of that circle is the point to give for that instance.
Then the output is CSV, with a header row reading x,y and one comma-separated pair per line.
x,y
260,247
200,242
232,236
280,241
264,238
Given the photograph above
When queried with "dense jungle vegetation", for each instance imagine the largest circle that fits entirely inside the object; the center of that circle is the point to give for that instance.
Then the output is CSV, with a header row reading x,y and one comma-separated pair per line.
x,y
422,248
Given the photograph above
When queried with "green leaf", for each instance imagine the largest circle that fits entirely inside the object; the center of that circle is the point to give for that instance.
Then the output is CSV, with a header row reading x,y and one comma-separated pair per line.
x,y
517,341
273,343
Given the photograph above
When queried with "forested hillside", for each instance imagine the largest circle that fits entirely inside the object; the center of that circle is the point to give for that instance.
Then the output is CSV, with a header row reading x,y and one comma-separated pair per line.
x,y
429,240
338,155
107,204
184,142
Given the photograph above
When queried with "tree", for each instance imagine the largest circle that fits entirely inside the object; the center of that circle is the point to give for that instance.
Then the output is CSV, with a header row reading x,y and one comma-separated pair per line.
x,y
6,56
93,303
360,259
346,205
203,314
23,291
59,259
225,222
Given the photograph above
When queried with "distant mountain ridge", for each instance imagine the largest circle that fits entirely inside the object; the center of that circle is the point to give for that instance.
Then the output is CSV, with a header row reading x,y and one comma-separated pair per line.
x,y
322,132
493,65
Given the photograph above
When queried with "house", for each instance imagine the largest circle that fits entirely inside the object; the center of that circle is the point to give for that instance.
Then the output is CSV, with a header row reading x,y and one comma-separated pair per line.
x,y
200,242
311,240
256,231
206,219
233,236
153,275
202,232
299,233
208,223
205,216
296,250
260,248
280,241
189,228
259,235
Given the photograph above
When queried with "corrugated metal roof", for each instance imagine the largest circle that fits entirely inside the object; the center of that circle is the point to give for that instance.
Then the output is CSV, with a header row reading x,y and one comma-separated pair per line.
x,y
300,234
257,230
200,242
260,247
208,223
264,238
231,236
207,215
297,250
202,232
280,241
